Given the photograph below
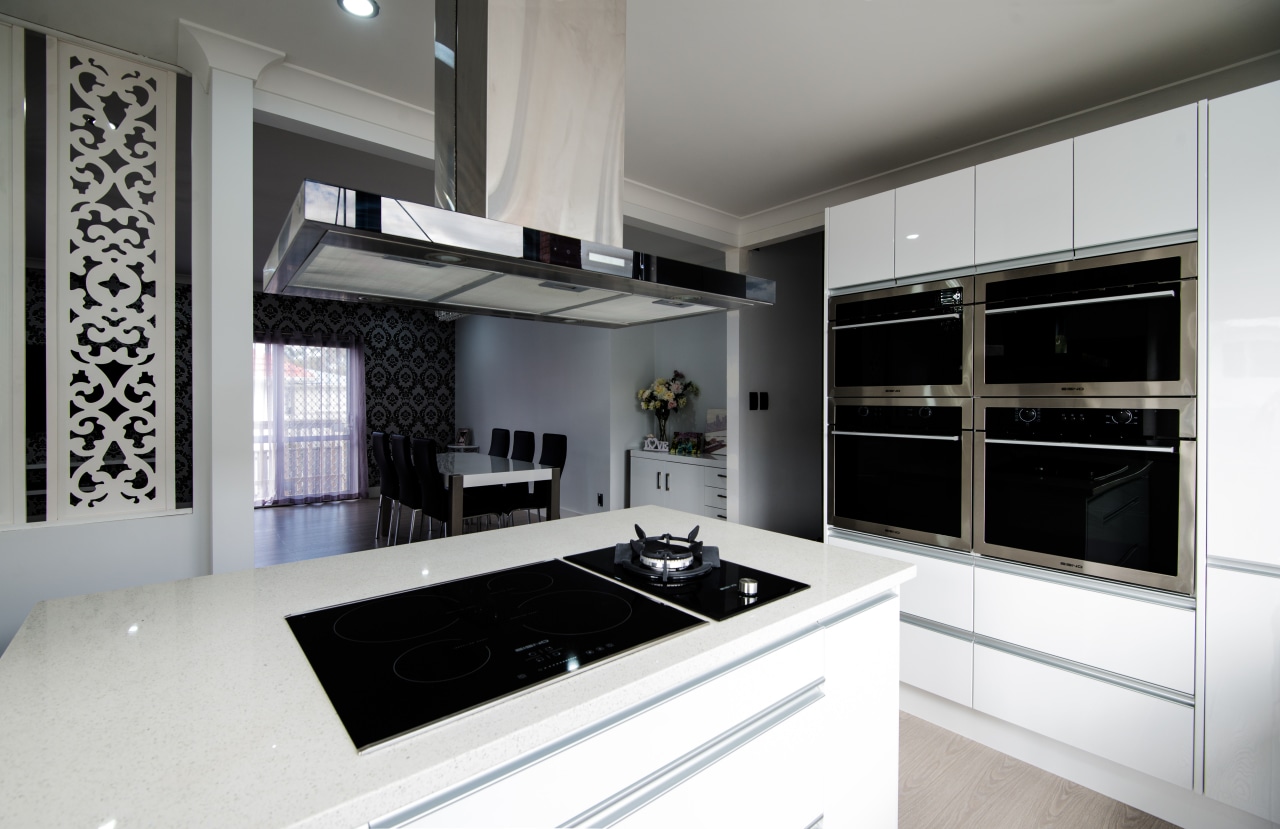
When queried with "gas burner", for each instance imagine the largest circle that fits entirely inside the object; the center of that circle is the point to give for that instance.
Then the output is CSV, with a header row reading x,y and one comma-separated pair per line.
x,y
667,558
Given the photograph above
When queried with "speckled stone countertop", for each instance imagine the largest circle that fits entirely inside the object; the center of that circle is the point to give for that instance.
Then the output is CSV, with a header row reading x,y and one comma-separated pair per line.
x,y
190,703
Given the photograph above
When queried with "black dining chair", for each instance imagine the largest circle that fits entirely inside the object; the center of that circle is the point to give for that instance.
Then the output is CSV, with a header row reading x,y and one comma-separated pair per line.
x,y
555,450
500,443
389,491
435,498
410,489
515,495
522,446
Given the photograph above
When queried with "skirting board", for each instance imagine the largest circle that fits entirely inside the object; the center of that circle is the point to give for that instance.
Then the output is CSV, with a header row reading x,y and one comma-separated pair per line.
x,y
1164,800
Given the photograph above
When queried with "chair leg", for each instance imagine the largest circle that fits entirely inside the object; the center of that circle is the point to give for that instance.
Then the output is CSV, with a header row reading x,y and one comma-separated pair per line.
x,y
377,525
413,517
395,517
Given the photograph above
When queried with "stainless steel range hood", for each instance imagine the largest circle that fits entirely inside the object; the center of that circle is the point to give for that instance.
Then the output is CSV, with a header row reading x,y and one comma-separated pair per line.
x,y
343,244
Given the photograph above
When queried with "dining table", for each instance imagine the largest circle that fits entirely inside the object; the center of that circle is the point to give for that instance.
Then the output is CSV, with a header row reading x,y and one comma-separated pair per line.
x,y
464,469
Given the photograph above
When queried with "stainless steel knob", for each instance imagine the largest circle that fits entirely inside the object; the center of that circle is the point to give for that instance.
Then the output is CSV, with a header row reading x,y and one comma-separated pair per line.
x,y
748,587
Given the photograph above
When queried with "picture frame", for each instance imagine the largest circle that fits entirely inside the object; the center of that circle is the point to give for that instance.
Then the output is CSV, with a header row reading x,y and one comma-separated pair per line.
x,y
687,443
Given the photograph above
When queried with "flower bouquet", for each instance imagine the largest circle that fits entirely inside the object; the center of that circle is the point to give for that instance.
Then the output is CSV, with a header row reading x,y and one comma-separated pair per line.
x,y
666,395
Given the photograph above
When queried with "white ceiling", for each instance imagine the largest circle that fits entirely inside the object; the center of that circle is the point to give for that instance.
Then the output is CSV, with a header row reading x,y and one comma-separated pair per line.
x,y
745,105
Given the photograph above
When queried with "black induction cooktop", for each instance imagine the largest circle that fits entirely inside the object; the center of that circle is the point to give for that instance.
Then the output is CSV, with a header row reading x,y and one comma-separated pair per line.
x,y
715,591
393,664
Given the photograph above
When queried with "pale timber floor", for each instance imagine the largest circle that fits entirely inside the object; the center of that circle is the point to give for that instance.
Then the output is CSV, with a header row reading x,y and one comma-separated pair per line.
x,y
945,780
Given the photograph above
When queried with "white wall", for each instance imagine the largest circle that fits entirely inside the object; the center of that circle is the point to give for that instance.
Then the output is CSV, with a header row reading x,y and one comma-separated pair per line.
x,y
696,347
632,369
540,377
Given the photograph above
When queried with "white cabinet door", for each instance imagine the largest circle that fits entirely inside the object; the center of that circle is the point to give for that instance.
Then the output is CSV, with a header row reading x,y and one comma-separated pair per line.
x,y
646,483
860,241
1023,204
1137,179
941,591
1242,691
933,226
1243,283
1134,729
1152,642
937,663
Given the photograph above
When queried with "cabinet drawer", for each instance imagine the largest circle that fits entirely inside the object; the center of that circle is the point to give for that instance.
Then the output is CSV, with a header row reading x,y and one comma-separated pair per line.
x,y
1126,636
715,476
937,663
941,591
1137,730
715,497
721,512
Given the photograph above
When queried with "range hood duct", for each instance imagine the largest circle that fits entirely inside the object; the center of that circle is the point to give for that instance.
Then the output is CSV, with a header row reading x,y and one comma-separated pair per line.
x,y
529,118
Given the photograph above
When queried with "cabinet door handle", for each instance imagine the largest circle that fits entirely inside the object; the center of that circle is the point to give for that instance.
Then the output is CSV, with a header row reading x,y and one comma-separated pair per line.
x,y
718,475
721,516
657,480
668,487
718,495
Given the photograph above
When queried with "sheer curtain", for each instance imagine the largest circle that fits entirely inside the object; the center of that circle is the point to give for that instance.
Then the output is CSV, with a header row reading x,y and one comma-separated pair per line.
x,y
308,419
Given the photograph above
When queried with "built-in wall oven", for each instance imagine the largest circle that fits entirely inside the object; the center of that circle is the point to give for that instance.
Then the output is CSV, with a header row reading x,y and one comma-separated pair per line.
x,y
901,468
1102,486
907,341
1123,324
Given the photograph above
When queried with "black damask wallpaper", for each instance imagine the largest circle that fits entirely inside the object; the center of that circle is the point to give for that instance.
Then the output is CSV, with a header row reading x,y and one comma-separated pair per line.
x,y
408,359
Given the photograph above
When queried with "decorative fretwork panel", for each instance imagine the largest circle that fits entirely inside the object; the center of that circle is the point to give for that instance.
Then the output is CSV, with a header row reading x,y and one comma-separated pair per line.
x,y
111,420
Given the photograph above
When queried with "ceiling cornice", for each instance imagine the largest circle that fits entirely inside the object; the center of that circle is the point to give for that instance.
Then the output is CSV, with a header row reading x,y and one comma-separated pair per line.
x,y
201,49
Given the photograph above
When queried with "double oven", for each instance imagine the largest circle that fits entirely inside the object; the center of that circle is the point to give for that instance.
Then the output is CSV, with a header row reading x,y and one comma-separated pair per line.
x,y
1044,415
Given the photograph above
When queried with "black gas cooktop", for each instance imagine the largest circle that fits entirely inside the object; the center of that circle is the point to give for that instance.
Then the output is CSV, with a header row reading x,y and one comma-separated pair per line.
x,y
393,664
684,572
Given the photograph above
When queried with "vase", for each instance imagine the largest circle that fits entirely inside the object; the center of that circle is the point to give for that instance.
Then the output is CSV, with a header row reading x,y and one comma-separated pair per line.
x,y
662,415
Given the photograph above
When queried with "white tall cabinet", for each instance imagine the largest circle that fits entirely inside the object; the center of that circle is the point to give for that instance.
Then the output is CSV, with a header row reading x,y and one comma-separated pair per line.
x,y
1023,204
859,241
1242,650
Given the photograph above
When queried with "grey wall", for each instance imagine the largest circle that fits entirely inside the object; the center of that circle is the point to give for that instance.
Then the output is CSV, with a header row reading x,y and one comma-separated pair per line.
x,y
695,347
779,350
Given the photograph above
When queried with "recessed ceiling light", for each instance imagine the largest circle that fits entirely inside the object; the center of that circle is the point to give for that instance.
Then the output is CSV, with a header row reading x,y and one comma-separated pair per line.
x,y
360,8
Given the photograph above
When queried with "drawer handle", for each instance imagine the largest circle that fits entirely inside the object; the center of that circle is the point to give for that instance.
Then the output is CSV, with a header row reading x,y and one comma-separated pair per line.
x,y
718,475
721,516
718,495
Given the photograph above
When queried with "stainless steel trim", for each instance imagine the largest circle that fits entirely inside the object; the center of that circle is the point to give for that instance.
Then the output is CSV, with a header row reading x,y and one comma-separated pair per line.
x,y
644,791
936,627
1183,582
817,822
1253,568
1109,588
997,265
1163,240
440,799
1095,301
1184,406
965,404
952,556
865,287
931,276
962,389
1111,447
1119,680
891,435
1184,386
895,322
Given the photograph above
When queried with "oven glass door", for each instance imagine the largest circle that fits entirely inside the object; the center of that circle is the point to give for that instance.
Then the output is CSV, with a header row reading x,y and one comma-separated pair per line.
x,y
899,475
1123,329
912,344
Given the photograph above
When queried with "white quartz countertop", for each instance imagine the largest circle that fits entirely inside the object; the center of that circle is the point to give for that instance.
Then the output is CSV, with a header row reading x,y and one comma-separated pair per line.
x,y
190,702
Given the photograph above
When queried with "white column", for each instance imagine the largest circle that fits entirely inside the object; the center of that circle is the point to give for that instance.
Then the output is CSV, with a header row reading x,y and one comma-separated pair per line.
x,y
225,69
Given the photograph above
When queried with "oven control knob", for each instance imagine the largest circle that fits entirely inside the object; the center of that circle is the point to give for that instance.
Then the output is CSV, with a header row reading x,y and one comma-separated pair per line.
x,y
863,411
925,411
747,587
1124,416
1028,415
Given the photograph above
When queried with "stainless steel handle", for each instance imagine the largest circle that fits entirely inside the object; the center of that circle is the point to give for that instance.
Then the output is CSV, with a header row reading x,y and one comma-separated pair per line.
x,y
1107,446
896,322
1101,299
657,480
668,486
888,435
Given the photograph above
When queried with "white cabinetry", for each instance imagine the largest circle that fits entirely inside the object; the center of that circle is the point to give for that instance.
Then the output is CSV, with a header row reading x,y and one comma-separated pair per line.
x,y
1243,284
715,493
859,241
1023,205
933,226
677,482
1242,691
1137,179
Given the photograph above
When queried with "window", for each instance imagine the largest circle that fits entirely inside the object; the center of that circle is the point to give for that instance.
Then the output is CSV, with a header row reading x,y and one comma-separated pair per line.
x,y
308,420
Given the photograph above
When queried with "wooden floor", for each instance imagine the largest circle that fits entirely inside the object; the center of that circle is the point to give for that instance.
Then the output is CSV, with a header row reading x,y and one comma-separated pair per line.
x,y
283,534
945,780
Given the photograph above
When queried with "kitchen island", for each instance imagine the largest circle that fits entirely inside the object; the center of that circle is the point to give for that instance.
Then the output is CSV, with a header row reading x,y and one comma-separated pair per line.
x,y
190,703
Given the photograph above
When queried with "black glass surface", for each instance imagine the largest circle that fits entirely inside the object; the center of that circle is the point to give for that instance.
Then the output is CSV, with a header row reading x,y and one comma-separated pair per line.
x,y
714,595
904,482
1113,336
393,664
1115,505
899,342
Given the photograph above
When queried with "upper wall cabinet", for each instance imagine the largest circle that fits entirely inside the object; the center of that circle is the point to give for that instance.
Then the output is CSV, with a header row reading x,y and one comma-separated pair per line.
x,y
934,225
1023,205
1137,179
860,241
